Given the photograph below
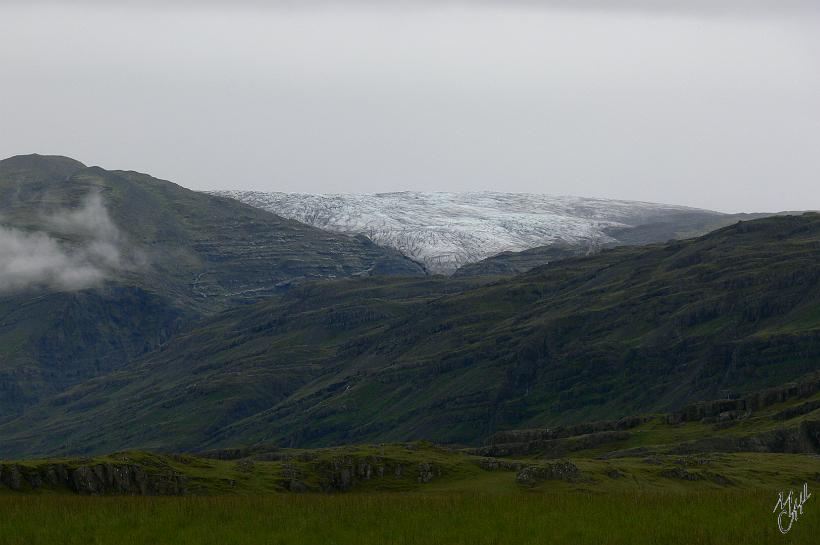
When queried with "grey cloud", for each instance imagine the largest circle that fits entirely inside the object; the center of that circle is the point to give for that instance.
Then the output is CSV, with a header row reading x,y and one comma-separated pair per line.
x,y
39,260
629,102
679,6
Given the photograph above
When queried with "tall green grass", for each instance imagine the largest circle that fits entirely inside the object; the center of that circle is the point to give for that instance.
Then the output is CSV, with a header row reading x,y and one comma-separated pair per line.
x,y
405,519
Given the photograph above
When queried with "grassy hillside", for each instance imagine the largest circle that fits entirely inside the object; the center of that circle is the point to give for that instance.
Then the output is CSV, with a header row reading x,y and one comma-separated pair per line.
x,y
630,330
642,486
235,365
513,263
773,442
180,255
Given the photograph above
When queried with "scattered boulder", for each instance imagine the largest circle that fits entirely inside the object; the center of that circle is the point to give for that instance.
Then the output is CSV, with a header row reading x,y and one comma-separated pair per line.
x,y
245,465
615,474
693,461
680,474
533,475
722,480
495,464
427,472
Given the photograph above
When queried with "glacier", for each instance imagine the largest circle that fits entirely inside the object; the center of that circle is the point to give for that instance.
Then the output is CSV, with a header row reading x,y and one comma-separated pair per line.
x,y
444,230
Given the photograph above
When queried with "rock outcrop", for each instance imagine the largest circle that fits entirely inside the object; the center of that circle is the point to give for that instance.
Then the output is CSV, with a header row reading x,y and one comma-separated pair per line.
x,y
533,475
801,439
733,409
94,479
346,472
495,464
559,441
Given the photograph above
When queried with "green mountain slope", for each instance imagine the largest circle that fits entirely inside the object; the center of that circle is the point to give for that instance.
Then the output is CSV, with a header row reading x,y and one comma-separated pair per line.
x,y
87,284
674,227
629,330
704,446
513,263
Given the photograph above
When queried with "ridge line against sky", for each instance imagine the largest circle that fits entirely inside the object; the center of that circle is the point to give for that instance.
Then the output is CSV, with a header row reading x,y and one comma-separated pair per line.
x,y
666,101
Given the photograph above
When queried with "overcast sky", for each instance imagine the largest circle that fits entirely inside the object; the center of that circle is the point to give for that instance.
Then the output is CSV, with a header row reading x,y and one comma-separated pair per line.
x,y
707,103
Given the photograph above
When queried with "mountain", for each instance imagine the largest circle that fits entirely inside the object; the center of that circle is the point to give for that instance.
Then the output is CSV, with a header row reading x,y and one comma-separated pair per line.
x,y
513,263
447,230
628,330
100,266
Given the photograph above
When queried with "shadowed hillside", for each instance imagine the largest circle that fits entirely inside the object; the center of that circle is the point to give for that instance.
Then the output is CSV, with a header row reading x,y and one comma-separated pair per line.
x,y
102,266
633,329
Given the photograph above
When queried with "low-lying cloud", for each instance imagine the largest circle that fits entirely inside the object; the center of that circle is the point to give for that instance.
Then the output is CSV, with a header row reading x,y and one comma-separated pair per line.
x,y
46,259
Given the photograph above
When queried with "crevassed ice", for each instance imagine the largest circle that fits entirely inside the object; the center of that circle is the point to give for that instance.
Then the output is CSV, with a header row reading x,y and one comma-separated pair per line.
x,y
446,230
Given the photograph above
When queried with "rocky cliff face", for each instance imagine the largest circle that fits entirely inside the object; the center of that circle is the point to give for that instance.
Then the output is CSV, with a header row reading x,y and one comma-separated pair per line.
x,y
559,441
723,410
344,471
801,439
347,472
799,436
93,479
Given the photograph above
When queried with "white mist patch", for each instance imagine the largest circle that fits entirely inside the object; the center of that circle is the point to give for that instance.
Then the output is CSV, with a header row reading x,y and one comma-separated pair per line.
x,y
39,259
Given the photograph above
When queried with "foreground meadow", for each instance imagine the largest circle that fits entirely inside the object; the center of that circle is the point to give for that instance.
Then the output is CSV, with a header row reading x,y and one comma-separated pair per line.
x,y
414,518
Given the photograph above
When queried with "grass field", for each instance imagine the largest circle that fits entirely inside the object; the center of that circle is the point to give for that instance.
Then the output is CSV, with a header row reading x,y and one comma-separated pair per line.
x,y
416,518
